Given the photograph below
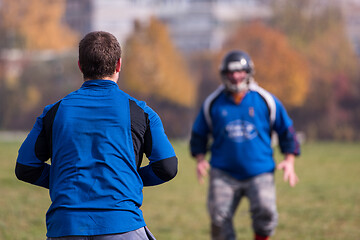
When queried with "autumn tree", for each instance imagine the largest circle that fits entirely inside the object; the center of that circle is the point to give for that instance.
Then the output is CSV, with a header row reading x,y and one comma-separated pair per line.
x,y
320,34
154,67
35,25
27,28
279,68
154,70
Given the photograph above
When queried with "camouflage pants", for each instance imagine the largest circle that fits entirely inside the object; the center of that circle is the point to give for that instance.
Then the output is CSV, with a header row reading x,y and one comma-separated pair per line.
x,y
225,194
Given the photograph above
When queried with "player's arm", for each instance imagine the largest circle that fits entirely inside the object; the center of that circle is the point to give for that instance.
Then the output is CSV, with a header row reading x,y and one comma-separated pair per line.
x,y
159,172
285,130
289,146
30,165
198,146
199,135
288,143
288,166
163,165
202,167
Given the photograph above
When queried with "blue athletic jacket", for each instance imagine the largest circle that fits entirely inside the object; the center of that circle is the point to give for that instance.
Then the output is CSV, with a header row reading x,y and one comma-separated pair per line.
x,y
241,134
96,138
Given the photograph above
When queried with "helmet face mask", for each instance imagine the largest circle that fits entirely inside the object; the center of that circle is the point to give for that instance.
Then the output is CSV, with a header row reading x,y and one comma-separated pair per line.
x,y
236,87
236,61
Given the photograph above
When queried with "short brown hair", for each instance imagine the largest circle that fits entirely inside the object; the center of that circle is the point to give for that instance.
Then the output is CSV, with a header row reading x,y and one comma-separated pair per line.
x,y
98,54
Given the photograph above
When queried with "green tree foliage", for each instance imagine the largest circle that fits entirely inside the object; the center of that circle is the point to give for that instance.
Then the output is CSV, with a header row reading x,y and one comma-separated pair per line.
x,y
152,66
279,68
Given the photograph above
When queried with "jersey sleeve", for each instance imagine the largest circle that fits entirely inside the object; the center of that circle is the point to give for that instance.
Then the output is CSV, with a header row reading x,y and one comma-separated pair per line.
x,y
199,135
31,163
285,130
163,162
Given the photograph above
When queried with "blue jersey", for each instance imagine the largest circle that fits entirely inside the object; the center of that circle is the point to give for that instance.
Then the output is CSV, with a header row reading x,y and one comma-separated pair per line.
x,y
241,133
95,138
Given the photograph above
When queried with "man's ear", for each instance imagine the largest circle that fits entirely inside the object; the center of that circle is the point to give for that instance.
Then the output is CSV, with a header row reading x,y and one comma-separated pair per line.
x,y
118,65
79,66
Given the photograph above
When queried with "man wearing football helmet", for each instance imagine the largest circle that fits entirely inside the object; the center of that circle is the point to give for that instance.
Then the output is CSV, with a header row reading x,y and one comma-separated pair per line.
x,y
240,116
234,63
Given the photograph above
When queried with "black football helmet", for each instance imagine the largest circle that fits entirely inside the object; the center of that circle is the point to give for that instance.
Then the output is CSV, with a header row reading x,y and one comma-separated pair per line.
x,y
236,61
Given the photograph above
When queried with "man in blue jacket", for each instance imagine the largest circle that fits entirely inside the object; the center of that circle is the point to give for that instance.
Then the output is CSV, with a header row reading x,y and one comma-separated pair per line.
x,y
240,117
96,138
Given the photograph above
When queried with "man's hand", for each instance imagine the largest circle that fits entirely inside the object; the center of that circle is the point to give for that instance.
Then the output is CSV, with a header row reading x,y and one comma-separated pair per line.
x,y
289,169
202,168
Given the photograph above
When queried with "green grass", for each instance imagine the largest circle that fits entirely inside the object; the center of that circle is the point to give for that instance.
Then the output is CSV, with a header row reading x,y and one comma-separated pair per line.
x,y
324,205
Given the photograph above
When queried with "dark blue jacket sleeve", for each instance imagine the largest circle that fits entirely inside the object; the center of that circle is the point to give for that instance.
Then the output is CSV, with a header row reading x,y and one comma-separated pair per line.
x,y
286,132
288,142
199,135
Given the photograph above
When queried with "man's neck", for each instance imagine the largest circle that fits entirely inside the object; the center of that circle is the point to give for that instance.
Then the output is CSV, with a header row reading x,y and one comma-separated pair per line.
x,y
113,78
238,96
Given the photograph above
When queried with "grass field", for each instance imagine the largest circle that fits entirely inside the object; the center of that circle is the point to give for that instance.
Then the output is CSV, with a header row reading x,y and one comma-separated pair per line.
x,y
324,205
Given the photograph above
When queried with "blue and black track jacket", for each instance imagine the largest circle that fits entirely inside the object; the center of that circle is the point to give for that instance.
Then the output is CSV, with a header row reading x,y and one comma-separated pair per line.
x,y
241,133
96,138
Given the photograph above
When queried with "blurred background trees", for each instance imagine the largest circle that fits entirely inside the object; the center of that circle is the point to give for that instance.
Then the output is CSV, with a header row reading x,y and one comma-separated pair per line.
x,y
302,54
279,68
154,70
31,73
34,25
330,110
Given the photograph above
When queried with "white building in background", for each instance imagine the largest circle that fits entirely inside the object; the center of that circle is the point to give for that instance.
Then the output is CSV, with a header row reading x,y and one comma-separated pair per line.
x,y
351,10
194,25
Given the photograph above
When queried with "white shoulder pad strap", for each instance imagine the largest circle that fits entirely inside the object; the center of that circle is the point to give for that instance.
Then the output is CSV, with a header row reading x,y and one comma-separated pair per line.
x,y
208,102
269,99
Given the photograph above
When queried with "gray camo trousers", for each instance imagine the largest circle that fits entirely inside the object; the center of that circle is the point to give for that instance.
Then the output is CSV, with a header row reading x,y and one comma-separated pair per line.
x,y
225,194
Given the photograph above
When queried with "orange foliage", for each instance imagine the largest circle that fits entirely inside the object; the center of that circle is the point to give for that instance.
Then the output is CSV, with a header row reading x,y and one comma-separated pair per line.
x,y
278,67
38,22
154,68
